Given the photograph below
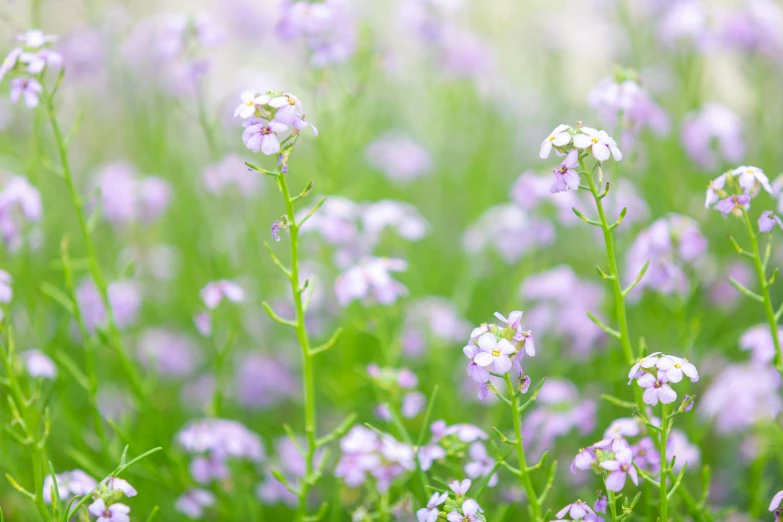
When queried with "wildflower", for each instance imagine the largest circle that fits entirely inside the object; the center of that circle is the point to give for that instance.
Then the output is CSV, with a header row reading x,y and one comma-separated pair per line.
x,y
371,280
276,226
713,123
566,177
36,38
584,459
168,352
600,504
430,513
768,220
192,502
714,189
645,455
215,291
37,62
481,464
460,488
656,390
70,483
288,108
118,484
514,319
599,142
672,369
509,230
259,135
648,361
750,178
38,364
412,404
432,319
470,510
733,204
621,467
776,500
28,88
10,61
250,102
114,513
577,510
559,137
758,340
494,352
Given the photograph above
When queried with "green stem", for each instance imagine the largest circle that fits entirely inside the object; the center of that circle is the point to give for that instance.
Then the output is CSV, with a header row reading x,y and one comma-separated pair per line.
x,y
95,268
619,297
771,319
662,490
612,504
308,380
533,505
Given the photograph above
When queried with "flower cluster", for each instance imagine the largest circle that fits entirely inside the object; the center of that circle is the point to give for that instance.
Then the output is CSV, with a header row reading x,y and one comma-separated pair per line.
x,y
106,506
327,27
366,455
214,441
457,509
267,116
565,139
654,372
28,62
496,348
731,192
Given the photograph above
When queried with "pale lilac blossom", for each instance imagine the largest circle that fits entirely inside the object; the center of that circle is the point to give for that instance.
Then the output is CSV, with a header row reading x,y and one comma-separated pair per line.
x,y
38,364
399,157
601,145
494,352
261,135
620,468
69,484
370,281
113,513
733,204
559,137
470,510
566,177
656,389
430,513
768,220
751,178
673,368
193,502
713,123
27,88
216,291
576,510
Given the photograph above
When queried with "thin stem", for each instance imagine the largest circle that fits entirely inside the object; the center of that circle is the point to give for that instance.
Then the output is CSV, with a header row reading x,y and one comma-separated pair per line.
x,y
612,504
662,488
533,503
95,268
308,380
771,319
614,276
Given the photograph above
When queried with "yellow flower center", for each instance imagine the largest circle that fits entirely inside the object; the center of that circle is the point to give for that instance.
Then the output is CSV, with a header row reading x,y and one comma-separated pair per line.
x,y
250,103
677,365
551,137
291,101
595,139
496,353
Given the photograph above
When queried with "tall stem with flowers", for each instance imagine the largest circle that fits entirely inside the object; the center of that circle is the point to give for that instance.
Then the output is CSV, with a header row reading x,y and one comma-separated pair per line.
x,y
267,117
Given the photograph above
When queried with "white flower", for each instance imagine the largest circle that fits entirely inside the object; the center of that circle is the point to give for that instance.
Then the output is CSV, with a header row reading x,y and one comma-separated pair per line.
x,y
645,362
716,184
494,352
600,142
749,176
559,137
674,368
250,100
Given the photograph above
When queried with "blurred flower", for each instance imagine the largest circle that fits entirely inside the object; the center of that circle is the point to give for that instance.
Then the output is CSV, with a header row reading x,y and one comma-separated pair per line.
x,y
776,500
670,244
127,198
193,502
480,464
38,364
399,157
29,89
768,220
734,412
679,447
6,291
168,352
510,231
753,27
327,27
367,455
685,21
113,513
231,173
20,204
758,340
69,484
751,179
713,122
124,298
460,488
263,381
215,291
370,281
431,319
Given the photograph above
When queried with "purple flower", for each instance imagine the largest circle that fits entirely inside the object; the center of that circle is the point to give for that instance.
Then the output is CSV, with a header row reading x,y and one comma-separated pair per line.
x,y
576,510
113,513
215,291
509,230
645,455
713,189
776,500
70,483
430,513
646,362
399,157
10,61
494,352
193,501
470,509
38,364
37,62
566,177
475,372
751,178
371,280
524,382
656,389
263,381
713,122
460,488
481,464
584,460
412,404
168,352
231,172
259,135
768,220
600,504
733,204
124,298
599,142
559,137
221,438
758,340
28,88
514,319
673,368
620,468
276,226
288,108
118,484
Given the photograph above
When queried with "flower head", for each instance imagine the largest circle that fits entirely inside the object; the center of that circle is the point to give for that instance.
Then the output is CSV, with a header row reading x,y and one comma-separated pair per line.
x,y
621,467
776,500
733,204
601,145
215,291
656,389
559,137
430,513
566,177
576,510
494,352
113,513
673,368
768,220
470,509
751,178
260,135
460,488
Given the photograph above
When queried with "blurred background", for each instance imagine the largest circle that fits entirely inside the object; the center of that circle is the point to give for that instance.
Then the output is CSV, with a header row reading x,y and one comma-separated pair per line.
x,y
430,114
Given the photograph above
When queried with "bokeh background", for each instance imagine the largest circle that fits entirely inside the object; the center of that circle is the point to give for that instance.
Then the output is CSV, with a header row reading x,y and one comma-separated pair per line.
x,y
436,109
